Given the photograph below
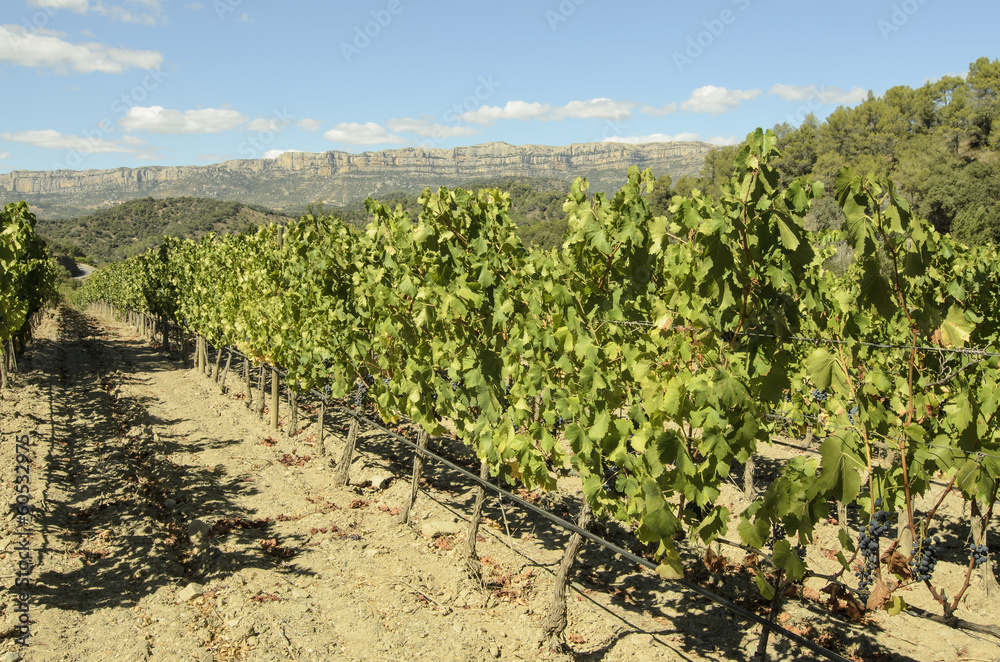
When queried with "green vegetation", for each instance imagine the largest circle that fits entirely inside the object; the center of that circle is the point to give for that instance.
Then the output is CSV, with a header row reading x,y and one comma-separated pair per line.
x,y
651,353
939,143
28,278
132,227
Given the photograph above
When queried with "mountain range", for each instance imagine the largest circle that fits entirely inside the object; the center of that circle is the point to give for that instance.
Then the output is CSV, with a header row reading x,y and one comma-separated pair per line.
x,y
294,180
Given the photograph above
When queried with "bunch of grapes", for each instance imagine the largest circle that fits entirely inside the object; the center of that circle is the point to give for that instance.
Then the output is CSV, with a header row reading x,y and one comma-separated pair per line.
x,y
504,402
819,396
359,394
610,471
979,554
868,536
559,424
777,533
925,557
851,414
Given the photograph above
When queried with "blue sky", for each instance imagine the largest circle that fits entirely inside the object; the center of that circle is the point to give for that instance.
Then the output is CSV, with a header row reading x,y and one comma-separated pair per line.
x,y
109,83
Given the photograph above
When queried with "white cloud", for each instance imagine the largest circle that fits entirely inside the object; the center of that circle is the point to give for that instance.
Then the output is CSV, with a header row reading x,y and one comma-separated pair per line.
x,y
272,124
722,141
79,6
34,49
654,138
4,155
716,100
309,124
599,108
152,16
513,110
51,139
659,110
428,129
275,153
158,119
369,133
194,6
666,138
831,95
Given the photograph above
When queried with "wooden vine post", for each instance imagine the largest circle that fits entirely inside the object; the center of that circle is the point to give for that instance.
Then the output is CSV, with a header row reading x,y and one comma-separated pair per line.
x,y
293,418
260,388
342,476
218,363
274,398
246,382
418,467
472,565
320,429
225,374
555,621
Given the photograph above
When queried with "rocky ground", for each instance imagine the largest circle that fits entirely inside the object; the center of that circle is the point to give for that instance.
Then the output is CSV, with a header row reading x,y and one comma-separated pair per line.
x,y
170,523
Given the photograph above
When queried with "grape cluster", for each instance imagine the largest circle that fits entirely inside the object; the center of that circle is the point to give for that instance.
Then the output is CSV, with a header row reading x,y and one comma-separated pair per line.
x,y
818,395
777,533
504,401
979,554
851,414
359,394
868,536
925,557
610,470
559,424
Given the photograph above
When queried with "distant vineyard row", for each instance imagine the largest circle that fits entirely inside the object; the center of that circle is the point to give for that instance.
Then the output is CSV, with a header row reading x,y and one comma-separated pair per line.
x,y
662,349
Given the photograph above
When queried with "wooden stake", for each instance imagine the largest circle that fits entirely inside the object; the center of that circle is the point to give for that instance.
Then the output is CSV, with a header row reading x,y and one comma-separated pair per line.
x,y
748,470
344,468
418,466
472,564
320,429
246,380
274,398
555,621
293,418
222,385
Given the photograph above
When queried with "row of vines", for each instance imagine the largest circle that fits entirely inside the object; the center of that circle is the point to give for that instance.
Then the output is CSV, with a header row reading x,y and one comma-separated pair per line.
x,y
28,280
652,355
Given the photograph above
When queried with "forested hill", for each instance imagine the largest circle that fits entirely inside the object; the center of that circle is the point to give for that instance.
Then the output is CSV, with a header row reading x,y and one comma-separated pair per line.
x,y
940,143
132,227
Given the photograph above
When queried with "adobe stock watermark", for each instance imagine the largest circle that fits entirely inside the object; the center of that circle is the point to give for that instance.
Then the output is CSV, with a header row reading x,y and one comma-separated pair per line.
x,y
451,118
223,7
91,140
264,133
714,29
562,12
25,566
901,14
363,35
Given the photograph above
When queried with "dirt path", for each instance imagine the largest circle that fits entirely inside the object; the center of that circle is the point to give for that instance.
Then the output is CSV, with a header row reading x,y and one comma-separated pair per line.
x,y
171,524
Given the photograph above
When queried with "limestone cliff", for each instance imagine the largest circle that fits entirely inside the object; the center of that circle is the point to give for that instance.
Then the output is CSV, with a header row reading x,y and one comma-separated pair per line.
x,y
295,179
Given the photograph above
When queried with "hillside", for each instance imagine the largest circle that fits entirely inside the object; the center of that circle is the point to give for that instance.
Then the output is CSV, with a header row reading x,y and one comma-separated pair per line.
x,y
131,227
296,179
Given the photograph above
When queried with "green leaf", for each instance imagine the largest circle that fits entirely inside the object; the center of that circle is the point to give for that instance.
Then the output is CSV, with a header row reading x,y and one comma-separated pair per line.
x,y
785,557
670,565
897,606
841,472
764,586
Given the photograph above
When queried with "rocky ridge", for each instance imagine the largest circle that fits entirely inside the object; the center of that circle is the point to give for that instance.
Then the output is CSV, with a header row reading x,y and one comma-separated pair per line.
x,y
295,179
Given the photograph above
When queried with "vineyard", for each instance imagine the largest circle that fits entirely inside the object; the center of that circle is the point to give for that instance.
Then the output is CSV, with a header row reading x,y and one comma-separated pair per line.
x,y
27,281
654,359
